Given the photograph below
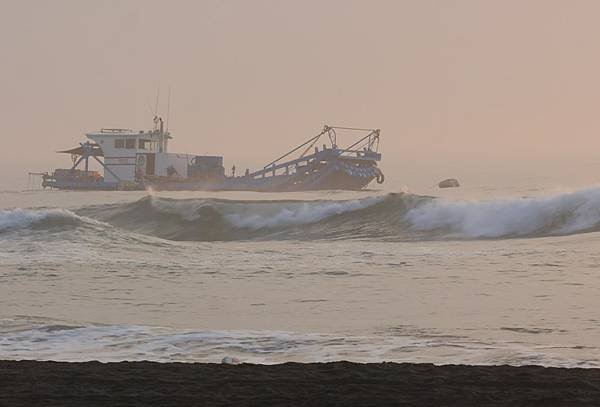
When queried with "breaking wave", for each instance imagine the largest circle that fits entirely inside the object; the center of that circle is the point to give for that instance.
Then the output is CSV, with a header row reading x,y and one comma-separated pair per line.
x,y
214,219
575,212
400,217
15,219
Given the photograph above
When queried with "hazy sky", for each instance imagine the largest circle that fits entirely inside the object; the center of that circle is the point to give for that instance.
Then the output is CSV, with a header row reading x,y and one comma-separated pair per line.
x,y
445,80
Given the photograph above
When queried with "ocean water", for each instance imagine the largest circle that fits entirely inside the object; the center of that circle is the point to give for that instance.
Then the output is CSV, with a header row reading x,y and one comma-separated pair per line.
x,y
508,274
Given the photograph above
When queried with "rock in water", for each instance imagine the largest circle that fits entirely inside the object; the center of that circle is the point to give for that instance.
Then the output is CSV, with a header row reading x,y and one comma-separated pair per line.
x,y
228,360
449,183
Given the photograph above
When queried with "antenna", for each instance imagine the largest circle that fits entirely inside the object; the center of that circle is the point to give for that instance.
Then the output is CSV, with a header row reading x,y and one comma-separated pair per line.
x,y
149,107
157,97
168,108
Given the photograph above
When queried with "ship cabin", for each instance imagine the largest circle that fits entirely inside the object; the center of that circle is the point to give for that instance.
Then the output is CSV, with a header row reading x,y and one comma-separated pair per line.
x,y
130,156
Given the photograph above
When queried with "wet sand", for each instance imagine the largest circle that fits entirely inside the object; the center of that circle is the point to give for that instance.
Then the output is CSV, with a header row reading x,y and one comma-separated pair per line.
x,y
25,383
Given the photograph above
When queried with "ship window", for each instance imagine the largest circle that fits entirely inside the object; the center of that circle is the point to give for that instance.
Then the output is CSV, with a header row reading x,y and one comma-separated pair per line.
x,y
146,144
130,143
119,143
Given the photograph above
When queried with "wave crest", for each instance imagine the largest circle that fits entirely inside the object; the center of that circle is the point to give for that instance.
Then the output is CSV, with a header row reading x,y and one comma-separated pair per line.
x,y
214,219
18,218
395,217
564,214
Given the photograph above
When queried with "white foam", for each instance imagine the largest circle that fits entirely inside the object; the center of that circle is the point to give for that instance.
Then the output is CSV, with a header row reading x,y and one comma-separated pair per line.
x,y
45,339
19,218
289,214
265,214
560,214
106,343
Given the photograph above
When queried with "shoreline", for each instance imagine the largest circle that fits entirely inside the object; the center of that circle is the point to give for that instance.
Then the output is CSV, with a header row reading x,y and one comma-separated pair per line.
x,y
336,383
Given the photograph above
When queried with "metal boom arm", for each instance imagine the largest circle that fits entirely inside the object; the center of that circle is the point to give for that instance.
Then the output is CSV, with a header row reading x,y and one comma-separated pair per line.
x,y
312,140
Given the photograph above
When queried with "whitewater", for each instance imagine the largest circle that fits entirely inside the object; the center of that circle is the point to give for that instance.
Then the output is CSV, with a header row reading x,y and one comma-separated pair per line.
x,y
267,278
395,215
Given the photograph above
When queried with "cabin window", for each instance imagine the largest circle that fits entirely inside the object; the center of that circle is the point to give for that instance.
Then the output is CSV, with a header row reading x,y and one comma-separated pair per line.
x,y
146,144
119,143
130,143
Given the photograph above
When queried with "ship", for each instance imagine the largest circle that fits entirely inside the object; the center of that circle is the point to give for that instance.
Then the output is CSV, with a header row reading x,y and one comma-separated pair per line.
x,y
139,160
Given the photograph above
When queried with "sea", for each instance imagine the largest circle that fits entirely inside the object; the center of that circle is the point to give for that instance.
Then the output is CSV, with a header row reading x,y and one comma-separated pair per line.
x,y
503,270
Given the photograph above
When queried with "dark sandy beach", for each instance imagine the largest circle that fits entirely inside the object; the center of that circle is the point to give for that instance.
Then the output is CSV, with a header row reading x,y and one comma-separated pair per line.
x,y
25,383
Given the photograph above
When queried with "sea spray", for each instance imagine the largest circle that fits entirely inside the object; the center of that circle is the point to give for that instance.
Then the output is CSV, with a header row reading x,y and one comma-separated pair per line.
x,y
556,215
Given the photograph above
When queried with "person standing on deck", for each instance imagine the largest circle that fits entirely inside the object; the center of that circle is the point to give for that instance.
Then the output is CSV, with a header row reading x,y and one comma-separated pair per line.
x,y
233,171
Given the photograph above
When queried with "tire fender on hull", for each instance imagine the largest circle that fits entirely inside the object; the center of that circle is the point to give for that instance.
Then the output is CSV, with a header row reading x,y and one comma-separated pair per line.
x,y
380,177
